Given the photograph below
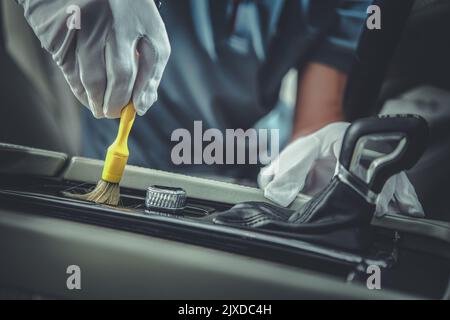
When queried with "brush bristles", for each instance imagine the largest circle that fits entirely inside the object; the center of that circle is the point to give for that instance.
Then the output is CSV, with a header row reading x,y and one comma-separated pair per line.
x,y
104,193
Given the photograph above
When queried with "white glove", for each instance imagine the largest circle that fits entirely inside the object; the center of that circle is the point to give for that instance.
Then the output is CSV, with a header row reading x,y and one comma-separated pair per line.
x,y
308,165
110,51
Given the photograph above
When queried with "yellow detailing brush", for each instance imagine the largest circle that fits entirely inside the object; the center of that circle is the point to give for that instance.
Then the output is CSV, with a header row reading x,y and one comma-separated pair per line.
x,y
107,190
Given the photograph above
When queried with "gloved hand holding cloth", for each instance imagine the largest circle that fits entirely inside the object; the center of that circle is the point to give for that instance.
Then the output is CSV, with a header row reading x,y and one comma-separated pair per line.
x,y
309,163
114,52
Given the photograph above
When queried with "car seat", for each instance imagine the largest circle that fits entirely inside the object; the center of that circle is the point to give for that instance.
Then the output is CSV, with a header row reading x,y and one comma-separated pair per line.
x,y
420,58
38,108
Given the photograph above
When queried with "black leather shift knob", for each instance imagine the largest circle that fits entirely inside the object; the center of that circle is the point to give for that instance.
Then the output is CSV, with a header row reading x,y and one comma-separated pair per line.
x,y
374,149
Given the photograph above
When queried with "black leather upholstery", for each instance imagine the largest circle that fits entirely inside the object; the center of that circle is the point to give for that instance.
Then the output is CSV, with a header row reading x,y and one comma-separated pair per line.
x,y
337,217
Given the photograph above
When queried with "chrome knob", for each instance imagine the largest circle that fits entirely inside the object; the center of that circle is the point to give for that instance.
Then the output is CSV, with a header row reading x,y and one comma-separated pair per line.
x,y
165,199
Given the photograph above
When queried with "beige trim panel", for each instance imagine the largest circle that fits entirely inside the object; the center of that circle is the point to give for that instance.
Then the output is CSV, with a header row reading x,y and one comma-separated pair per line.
x,y
430,228
118,264
88,170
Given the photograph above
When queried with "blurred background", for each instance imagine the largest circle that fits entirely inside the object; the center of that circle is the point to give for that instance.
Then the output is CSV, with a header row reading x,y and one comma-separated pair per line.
x,y
237,64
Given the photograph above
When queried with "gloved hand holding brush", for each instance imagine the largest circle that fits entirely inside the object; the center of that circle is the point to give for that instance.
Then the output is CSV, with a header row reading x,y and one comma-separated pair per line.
x,y
110,51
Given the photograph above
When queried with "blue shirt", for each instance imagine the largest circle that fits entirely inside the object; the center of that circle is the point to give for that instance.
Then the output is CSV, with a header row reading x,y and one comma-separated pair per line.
x,y
223,57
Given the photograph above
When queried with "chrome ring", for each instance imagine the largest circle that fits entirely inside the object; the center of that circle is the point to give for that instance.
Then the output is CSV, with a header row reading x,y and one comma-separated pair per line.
x,y
165,198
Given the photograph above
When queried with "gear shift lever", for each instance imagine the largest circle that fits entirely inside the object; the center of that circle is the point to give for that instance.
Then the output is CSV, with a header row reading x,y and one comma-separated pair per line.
x,y
373,150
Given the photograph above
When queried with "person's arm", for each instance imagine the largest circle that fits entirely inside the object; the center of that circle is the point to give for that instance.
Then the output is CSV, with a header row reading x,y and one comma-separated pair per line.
x,y
319,98
322,83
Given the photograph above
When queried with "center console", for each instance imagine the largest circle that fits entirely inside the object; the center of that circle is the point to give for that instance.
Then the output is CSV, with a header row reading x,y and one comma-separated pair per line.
x,y
413,254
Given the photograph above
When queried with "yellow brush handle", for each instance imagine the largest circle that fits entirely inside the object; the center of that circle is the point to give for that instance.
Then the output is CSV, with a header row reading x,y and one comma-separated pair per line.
x,y
117,155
